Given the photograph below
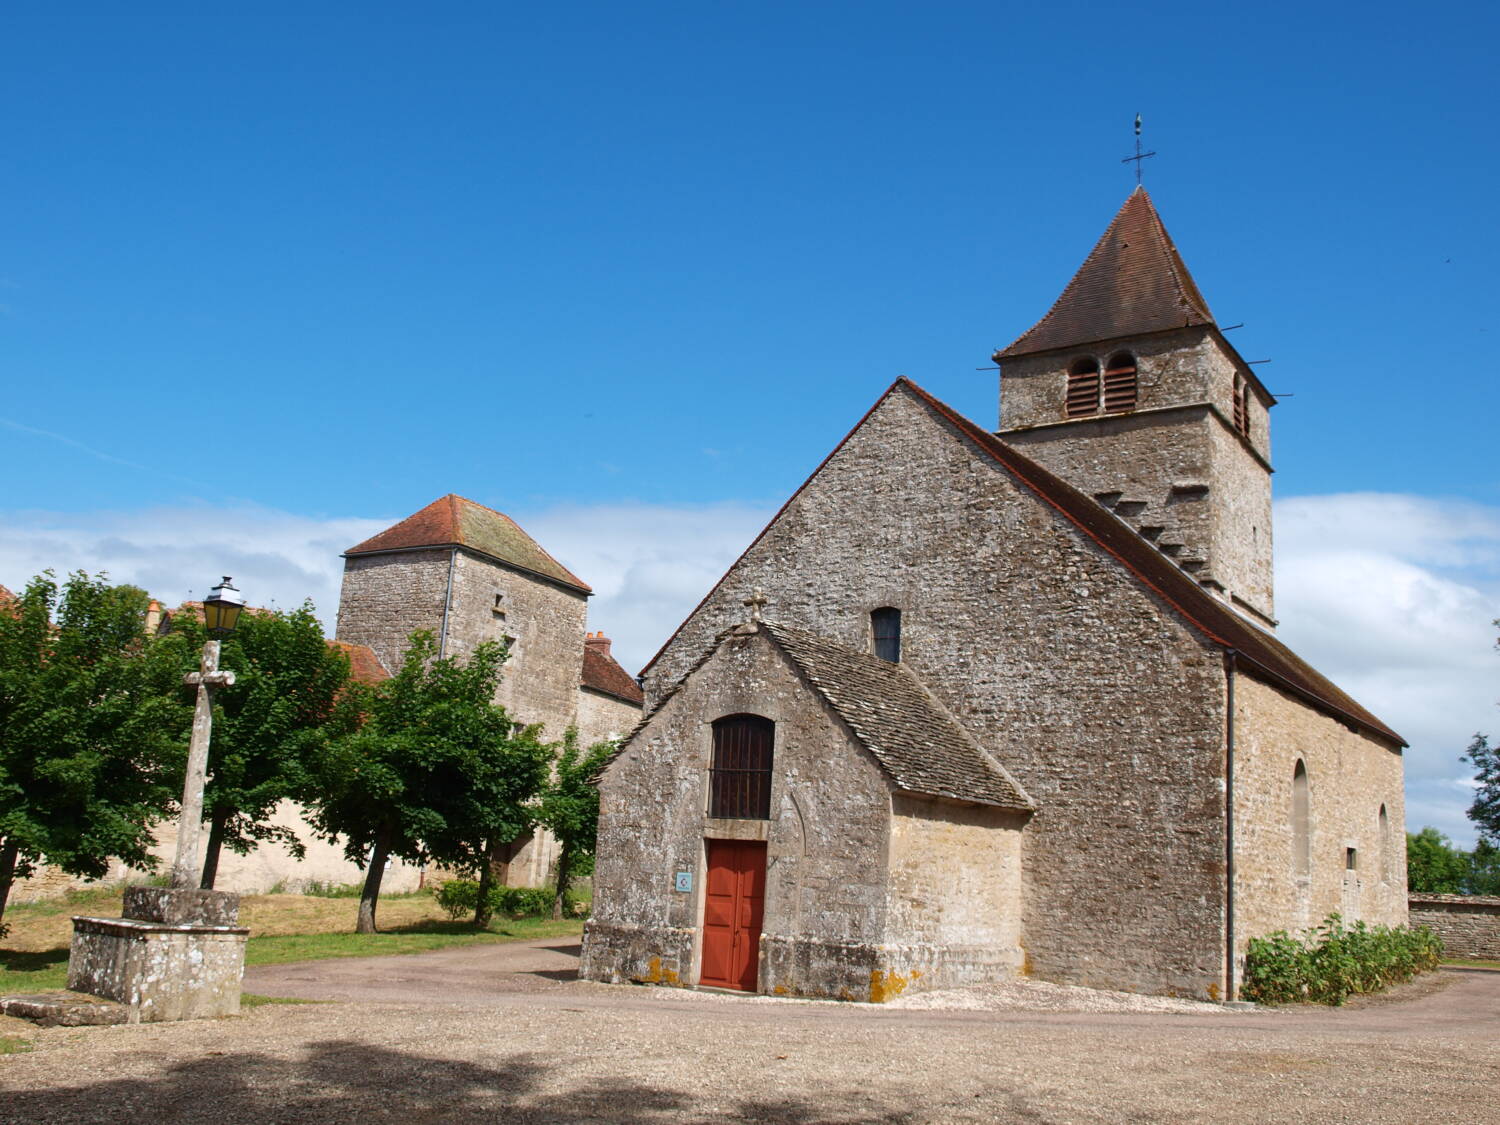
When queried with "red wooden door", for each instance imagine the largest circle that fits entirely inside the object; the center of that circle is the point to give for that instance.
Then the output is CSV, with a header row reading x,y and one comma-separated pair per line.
x,y
733,905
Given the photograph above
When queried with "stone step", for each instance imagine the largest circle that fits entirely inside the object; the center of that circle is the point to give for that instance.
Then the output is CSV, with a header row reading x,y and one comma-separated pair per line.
x,y
1151,531
1171,549
1129,508
1108,499
64,1009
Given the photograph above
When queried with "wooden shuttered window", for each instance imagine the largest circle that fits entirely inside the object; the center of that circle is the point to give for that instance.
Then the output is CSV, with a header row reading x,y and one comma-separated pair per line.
x,y
1119,384
1241,406
1083,389
740,781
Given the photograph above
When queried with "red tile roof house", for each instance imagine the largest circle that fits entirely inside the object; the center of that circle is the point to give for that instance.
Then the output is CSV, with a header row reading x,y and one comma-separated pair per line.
x,y
982,703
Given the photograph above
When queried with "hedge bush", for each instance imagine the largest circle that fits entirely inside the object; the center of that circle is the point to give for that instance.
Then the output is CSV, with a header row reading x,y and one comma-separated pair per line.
x,y
461,896
1335,962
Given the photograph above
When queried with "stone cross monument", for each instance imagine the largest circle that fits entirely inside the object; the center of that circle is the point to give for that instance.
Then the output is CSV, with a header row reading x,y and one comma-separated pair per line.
x,y
178,952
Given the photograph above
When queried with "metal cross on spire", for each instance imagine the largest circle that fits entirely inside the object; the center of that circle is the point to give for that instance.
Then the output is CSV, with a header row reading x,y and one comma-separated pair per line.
x,y
1139,155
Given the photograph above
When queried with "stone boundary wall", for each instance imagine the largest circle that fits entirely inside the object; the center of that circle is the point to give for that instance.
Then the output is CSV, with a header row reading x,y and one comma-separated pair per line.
x,y
1468,924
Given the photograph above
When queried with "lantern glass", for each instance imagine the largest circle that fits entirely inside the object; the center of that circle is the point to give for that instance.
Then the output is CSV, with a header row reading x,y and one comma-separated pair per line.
x,y
221,609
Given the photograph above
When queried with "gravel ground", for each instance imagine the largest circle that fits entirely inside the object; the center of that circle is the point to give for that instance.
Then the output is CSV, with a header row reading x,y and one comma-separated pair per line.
x,y
547,1049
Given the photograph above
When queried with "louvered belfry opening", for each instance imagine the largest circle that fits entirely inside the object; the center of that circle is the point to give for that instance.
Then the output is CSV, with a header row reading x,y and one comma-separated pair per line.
x,y
1083,388
1241,406
1119,384
740,782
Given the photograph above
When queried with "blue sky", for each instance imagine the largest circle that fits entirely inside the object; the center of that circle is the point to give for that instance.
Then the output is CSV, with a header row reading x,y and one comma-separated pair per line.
x,y
310,266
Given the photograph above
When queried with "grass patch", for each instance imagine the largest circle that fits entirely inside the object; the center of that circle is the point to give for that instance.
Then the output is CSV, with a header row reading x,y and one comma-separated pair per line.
x,y
33,971
256,1000
283,928
279,949
1467,963
14,1045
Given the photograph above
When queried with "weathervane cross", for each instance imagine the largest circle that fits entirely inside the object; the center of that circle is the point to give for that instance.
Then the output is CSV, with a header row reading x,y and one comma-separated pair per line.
x,y
1139,155
756,602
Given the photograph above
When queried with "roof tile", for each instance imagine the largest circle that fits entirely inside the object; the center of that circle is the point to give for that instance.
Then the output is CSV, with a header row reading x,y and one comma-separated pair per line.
x,y
453,521
1133,282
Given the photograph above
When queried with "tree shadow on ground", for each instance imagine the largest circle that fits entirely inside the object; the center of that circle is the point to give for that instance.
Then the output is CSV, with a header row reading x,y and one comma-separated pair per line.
x,y
343,1080
22,961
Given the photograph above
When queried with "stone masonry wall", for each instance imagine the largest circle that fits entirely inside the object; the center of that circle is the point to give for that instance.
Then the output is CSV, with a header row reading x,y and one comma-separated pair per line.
x,y
1104,706
1350,777
540,680
826,839
1172,438
955,895
602,716
385,598
1468,924
267,867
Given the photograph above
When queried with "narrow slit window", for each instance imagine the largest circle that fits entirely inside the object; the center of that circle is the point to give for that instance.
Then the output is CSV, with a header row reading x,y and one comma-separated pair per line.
x,y
740,781
885,628
1301,829
1083,388
1120,384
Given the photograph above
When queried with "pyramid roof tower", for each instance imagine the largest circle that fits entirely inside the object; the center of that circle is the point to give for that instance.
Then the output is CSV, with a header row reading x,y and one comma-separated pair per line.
x,y
453,521
1132,283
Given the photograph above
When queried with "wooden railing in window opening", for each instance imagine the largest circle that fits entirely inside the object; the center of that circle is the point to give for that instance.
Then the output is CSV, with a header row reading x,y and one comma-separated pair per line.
x,y
1119,384
1083,389
740,780
1241,406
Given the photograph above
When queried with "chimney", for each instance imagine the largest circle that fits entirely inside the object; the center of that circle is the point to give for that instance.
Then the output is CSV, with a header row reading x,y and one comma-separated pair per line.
x,y
597,641
153,618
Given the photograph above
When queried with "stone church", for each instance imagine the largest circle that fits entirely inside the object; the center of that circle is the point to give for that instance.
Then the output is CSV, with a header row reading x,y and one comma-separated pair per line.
x,y
470,574
981,703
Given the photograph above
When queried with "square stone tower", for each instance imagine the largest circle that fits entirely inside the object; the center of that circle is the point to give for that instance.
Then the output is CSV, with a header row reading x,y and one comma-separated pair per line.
x,y
471,574
1128,390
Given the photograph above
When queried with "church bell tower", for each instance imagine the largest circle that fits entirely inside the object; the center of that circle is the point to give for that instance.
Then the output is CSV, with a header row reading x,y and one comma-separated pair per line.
x,y
1128,390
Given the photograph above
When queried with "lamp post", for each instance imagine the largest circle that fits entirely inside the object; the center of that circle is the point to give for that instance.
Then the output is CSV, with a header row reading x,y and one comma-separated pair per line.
x,y
221,613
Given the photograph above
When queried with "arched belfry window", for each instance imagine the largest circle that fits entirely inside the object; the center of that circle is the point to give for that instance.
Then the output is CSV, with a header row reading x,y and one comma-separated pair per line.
x,y
885,630
740,782
1119,383
1083,388
1301,823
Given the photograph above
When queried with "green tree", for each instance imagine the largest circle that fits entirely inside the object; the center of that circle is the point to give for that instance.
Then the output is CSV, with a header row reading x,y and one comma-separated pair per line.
x,y
1484,869
432,749
1434,865
1485,811
93,728
570,809
267,725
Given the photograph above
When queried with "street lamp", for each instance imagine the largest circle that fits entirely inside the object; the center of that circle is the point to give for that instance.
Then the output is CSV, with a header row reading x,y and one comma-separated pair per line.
x,y
221,609
221,613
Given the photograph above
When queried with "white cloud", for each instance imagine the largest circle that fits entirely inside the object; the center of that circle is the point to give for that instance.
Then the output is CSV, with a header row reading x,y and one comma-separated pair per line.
x,y
1392,596
274,557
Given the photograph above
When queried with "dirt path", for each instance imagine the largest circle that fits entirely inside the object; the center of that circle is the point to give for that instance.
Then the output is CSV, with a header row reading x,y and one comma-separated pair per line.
x,y
499,1033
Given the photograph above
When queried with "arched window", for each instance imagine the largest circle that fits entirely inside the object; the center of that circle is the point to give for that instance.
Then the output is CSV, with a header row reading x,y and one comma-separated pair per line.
x,y
1301,829
885,628
740,781
1241,405
1383,834
1083,388
1119,383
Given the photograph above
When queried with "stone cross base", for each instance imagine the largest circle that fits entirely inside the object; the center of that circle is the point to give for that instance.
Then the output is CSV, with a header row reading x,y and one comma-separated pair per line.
x,y
176,955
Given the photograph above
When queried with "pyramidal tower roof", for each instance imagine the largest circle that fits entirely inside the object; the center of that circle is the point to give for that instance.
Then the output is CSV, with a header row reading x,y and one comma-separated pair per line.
x,y
1133,282
453,521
